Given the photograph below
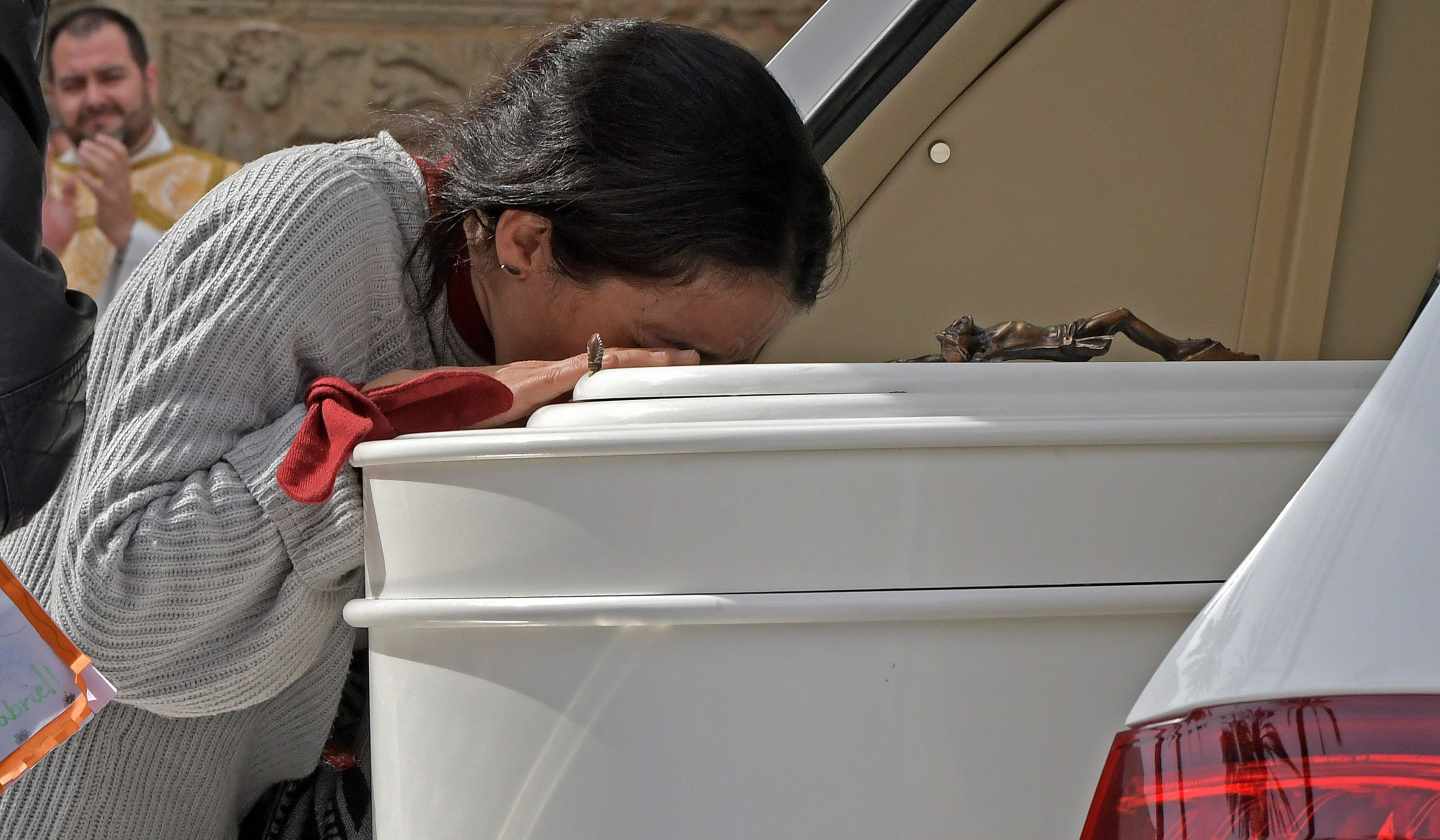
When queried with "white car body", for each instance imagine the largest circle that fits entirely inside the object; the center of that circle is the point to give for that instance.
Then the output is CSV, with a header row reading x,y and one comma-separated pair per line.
x,y
1303,701
1338,598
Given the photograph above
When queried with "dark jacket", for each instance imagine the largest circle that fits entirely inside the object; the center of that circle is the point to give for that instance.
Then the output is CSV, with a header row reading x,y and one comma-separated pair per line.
x,y
44,329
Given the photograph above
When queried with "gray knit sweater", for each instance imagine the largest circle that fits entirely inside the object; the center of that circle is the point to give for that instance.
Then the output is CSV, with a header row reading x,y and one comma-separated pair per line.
x,y
169,554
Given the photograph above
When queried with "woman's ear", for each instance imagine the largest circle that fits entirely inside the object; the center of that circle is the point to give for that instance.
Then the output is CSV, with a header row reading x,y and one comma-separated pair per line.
x,y
522,242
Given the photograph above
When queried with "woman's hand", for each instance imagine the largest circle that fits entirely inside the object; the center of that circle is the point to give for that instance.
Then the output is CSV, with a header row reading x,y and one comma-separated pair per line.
x,y
536,384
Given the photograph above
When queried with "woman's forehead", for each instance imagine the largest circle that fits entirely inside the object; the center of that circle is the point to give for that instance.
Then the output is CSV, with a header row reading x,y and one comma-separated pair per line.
x,y
724,322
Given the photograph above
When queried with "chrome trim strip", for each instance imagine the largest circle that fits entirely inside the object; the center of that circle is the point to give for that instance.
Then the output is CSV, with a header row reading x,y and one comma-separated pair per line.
x,y
823,52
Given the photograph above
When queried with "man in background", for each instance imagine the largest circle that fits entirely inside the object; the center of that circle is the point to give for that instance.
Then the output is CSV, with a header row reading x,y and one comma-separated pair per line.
x,y
122,183
44,330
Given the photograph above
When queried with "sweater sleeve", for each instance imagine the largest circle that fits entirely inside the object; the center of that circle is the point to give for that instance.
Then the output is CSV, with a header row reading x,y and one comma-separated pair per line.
x,y
185,572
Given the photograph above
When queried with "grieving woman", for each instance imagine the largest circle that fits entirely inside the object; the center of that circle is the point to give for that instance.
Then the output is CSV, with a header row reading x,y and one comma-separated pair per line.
x,y
644,181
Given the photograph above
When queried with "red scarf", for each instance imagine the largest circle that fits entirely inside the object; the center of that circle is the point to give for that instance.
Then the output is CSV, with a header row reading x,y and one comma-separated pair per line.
x,y
453,268
340,415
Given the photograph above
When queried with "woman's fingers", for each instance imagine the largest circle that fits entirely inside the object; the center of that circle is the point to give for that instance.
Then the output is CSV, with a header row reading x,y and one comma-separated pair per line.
x,y
558,378
627,357
536,383
570,370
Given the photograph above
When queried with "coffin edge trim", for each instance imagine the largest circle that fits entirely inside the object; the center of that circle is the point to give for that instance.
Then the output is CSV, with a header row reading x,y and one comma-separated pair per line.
x,y
842,434
784,607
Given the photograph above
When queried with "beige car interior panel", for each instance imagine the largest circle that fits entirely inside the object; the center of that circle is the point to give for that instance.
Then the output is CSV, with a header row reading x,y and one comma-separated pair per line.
x,y
1307,161
1264,173
980,37
1389,237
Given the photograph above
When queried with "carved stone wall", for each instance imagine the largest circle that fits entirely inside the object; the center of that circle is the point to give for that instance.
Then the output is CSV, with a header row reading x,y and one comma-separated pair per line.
x,y
244,77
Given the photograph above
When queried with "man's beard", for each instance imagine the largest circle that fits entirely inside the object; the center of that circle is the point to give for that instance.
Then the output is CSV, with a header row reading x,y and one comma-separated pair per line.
x,y
132,129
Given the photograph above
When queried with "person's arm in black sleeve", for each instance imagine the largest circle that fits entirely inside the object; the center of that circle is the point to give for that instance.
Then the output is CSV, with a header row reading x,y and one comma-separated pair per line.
x,y
44,329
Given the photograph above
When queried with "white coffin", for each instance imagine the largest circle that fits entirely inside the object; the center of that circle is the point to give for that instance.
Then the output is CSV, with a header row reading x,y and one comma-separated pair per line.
x,y
808,601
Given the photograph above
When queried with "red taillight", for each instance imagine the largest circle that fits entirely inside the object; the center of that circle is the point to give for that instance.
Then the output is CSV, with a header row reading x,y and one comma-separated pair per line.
x,y
1323,768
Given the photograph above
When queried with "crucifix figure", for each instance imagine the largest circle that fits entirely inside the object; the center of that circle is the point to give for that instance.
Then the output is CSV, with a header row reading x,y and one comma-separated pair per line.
x,y
1076,341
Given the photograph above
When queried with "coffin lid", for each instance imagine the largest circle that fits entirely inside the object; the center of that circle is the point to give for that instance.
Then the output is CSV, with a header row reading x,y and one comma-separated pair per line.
x,y
960,476
1018,389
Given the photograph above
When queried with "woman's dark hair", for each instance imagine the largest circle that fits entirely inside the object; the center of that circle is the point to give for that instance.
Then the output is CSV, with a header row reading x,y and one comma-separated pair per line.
x,y
654,150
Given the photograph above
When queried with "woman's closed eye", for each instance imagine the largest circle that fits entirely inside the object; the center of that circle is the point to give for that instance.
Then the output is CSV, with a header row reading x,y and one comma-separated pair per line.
x,y
706,357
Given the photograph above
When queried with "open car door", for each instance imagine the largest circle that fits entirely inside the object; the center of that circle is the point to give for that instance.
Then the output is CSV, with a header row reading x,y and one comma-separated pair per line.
x,y
1259,173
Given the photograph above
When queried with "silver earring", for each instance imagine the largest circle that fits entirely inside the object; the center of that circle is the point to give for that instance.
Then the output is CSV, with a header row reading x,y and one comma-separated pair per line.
x,y
510,269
